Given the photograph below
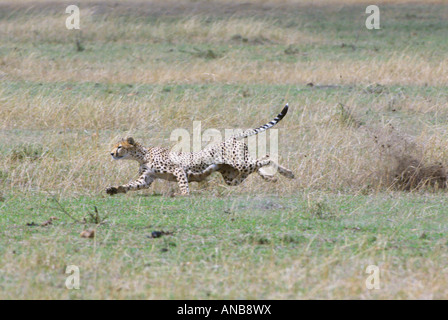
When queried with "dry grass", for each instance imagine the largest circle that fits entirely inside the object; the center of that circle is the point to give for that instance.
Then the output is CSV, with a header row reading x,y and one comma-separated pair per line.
x,y
194,29
323,151
330,278
145,71
397,69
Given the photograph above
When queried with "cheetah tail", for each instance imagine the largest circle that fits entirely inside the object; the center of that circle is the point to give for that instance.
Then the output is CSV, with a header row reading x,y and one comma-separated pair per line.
x,y
251,132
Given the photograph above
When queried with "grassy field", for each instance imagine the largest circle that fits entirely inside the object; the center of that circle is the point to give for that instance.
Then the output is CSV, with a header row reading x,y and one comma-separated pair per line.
x,y
362,103
257,247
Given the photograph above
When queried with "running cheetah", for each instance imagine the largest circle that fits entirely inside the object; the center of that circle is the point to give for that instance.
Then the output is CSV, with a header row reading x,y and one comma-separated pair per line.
x,y
230,158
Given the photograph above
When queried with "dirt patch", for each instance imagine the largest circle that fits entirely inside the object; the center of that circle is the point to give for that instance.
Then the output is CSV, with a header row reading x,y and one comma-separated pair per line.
x,y
402,164
411,174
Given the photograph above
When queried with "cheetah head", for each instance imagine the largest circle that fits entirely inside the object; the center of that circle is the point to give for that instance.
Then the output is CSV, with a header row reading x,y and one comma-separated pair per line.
x,y
124,149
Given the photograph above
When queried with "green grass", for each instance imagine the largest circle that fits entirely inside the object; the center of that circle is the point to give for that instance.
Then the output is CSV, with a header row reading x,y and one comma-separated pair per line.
x,y
217,241
145,71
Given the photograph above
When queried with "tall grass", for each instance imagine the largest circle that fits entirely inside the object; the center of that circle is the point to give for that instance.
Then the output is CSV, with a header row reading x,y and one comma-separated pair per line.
x,y
150,75
323,150
362,103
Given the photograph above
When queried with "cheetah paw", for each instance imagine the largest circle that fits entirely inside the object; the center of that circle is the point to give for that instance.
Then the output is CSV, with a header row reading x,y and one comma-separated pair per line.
x,y
111,190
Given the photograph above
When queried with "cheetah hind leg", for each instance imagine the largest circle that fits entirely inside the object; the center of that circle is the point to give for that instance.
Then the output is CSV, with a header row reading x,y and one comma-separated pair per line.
x,y
232,176
267,177
265,161
238,180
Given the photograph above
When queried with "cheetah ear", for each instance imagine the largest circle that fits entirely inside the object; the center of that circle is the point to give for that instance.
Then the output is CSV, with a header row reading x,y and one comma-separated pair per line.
x,y
130,140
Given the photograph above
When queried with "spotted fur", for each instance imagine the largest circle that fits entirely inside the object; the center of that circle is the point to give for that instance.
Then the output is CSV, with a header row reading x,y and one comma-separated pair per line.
x,y
230,158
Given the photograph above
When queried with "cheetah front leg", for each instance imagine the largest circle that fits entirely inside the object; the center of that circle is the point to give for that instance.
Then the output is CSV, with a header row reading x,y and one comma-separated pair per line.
x,y
198,177
144,181
182,181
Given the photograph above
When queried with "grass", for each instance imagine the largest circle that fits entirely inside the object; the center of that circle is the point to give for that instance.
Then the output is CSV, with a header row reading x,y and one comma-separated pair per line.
x,y
231,248
146,70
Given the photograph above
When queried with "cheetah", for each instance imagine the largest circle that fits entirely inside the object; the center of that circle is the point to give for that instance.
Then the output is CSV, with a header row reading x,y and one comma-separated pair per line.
x,y
230,158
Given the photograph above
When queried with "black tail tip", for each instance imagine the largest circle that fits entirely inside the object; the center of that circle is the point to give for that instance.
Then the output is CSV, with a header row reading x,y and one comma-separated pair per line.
x,y
285,109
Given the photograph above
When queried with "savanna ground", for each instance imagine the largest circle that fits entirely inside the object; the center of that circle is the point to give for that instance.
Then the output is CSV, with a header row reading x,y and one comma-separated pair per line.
x,y
360,102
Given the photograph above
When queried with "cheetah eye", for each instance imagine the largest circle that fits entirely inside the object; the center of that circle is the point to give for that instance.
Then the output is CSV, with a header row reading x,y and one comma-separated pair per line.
x,y
119,147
